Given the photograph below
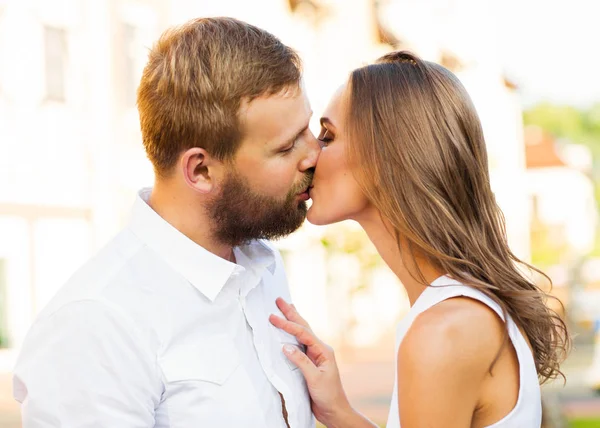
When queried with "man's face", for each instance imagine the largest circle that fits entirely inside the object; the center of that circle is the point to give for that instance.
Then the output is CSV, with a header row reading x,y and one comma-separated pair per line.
x,y
265,192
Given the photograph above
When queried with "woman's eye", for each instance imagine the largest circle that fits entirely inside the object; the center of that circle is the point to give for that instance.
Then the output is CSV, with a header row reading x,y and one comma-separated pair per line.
x,y
325,137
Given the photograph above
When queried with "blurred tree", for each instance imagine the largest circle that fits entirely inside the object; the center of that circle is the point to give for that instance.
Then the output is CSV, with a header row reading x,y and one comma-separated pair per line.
x,y
576,126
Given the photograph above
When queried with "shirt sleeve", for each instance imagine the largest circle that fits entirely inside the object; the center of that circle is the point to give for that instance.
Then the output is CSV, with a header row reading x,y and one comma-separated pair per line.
x,y
83,366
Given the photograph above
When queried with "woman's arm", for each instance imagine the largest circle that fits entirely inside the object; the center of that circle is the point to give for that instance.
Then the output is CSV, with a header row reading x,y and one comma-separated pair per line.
x,y
443,361
329,402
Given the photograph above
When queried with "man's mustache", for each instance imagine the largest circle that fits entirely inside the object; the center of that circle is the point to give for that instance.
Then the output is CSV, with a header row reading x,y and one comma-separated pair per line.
x,y
305,183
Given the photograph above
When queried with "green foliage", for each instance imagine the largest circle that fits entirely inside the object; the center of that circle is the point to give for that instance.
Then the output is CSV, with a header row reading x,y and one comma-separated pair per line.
x,y
575,125
585,423
578,126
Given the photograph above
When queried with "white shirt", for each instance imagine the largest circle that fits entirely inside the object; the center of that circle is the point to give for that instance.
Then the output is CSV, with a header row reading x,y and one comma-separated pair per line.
x,y
527,413
155,331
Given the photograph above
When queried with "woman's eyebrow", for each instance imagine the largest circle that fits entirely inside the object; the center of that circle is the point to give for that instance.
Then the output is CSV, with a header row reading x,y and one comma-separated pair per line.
x,y
327,121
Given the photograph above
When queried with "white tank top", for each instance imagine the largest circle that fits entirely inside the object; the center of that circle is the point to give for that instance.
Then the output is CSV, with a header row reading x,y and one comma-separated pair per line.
x,y
527,413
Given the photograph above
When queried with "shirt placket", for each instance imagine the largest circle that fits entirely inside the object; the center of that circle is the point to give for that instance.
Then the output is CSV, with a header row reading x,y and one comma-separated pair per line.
x,y
239,281
256,315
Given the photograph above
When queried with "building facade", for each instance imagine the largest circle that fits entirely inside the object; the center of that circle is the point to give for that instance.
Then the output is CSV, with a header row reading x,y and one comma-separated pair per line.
x,y
71,157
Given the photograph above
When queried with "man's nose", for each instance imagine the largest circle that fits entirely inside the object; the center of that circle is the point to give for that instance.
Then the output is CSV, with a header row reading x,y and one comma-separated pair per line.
x,y
312,154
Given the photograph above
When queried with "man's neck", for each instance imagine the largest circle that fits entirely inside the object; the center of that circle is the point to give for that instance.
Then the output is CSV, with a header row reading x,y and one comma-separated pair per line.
x,y
187,217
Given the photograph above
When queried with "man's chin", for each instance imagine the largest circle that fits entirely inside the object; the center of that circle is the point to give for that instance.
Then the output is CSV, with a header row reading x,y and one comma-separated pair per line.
x,y
237,237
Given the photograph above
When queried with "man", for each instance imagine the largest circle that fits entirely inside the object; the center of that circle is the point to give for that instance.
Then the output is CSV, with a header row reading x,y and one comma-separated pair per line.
x,y
168,325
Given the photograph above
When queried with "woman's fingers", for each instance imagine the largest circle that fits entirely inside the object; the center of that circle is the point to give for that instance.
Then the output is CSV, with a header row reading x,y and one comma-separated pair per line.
x,y
303,334
317,351
301,360
290,312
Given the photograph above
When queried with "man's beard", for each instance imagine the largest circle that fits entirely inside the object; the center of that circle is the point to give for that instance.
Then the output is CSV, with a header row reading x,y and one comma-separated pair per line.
x,y
240,215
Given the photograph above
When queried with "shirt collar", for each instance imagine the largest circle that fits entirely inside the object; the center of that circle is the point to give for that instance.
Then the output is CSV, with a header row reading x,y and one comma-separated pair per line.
x,y
203,269
257,256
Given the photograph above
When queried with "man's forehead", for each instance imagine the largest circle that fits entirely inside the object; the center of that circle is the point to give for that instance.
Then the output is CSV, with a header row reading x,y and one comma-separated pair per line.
x,y
289,94
271,117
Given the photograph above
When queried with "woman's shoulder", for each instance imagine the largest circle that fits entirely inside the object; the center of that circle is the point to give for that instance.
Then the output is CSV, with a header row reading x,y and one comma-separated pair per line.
x,y
456,332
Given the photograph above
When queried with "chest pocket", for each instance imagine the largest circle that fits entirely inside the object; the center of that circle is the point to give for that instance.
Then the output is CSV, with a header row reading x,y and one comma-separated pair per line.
x,y
205,385
211,361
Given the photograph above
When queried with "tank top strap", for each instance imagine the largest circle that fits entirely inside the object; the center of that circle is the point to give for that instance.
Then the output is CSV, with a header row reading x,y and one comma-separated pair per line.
x,y
527,411
445,288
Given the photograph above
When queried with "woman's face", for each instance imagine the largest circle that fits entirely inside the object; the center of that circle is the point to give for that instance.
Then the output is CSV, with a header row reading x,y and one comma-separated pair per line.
x,y
335,194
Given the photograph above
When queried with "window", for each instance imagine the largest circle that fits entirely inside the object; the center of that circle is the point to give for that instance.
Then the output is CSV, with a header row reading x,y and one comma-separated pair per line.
x,y
55,40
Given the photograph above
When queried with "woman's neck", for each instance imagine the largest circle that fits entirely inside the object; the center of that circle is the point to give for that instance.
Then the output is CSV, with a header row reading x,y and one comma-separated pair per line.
x,y
406,268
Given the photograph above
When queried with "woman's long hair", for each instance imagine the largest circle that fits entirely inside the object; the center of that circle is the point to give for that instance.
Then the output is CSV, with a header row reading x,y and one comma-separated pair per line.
x,y
423,163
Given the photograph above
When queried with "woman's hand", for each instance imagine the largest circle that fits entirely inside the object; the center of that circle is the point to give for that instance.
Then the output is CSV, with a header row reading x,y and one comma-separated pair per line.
x,y
318,365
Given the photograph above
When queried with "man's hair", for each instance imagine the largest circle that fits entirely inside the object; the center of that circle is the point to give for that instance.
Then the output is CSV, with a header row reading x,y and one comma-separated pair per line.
x,y
195,81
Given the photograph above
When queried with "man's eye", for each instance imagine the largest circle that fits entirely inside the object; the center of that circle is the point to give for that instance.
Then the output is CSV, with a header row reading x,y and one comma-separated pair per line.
x,y
289,149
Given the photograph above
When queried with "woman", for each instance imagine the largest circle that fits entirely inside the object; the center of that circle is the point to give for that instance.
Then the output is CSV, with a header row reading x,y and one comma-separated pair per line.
x,y
404,156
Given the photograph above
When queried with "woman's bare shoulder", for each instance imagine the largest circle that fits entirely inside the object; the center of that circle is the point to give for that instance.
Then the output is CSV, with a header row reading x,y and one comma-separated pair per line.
x,y
460,332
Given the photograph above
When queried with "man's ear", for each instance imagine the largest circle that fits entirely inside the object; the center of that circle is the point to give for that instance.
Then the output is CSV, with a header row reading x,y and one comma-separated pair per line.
x,y
200,170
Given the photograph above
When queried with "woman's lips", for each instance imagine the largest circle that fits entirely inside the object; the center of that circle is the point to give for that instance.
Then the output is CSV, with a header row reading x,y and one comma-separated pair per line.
x,y
305,196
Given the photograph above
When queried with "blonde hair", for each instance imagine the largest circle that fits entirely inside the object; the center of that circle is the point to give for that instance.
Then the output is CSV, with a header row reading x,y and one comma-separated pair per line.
x,y
195,80
424,167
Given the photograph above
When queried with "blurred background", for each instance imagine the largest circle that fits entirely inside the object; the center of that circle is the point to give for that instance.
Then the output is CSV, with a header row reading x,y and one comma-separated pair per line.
x,y
71,157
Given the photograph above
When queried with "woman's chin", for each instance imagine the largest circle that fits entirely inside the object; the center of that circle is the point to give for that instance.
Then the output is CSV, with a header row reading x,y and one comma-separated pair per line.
x,y
311,216
314,216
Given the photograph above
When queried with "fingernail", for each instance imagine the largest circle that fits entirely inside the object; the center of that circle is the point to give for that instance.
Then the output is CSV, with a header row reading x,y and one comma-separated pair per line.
x,y
289,349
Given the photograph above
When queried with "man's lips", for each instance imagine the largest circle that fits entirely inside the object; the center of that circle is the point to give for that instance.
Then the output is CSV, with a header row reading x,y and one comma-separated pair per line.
x,y
306,190
306,193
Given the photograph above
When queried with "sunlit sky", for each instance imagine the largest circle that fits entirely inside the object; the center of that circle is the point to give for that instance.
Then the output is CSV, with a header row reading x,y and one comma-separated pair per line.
x,y
551,49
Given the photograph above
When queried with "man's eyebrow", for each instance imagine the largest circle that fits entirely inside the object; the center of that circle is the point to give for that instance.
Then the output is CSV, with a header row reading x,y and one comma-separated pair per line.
x,y
291,140
295,137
